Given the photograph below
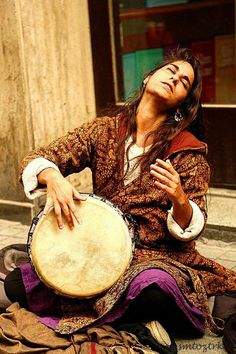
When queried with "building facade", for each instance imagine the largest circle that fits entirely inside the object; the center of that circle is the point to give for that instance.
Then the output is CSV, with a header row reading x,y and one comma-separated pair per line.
x,y
62,62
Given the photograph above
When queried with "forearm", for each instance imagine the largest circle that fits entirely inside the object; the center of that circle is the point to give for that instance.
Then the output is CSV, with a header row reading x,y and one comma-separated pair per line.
x,y
182,211
70,153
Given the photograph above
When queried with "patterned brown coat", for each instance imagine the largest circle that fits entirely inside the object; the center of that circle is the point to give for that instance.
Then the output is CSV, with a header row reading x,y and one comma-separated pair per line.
x,y
94,145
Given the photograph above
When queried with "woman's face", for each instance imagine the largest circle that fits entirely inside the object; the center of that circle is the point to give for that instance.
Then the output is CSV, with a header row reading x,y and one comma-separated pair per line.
x,y
171,83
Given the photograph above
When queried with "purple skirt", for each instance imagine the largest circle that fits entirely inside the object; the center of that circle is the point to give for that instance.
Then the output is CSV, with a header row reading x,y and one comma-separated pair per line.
x,y
46,304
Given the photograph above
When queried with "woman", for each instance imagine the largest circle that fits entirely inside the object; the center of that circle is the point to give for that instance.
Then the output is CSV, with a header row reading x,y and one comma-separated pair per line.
x,y
145,160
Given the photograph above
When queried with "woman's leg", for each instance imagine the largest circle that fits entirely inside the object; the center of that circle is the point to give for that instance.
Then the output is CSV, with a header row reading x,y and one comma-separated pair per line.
x,y
14,287
154,304
147,307
150,303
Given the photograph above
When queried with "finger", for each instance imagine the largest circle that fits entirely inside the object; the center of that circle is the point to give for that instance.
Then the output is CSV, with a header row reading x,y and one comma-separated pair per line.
x,y
165,188
174,177
168,166
77,217
57,211
48,206
165,164
68,216
162,171
164,179
74,212
78,195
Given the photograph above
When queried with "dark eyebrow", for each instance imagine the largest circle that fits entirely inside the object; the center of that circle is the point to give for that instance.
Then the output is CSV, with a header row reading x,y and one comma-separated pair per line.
x,y
185,76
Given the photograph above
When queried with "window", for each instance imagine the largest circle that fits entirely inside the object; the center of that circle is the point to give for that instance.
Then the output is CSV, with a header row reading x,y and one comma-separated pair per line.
x,y
149,29
123,31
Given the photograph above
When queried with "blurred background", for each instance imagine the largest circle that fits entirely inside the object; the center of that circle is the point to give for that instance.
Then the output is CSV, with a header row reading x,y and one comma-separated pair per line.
x,y
63,61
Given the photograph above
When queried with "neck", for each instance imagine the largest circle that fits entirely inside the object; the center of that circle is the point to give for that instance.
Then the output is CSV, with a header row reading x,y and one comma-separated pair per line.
x,y
148,116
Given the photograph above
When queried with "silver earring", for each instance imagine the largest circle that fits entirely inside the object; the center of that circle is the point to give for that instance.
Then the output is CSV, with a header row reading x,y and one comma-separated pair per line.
x,y
178,117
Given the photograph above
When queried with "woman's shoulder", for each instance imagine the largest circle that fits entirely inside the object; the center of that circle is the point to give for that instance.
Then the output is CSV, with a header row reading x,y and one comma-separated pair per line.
x,y
104,122
185,141
99,126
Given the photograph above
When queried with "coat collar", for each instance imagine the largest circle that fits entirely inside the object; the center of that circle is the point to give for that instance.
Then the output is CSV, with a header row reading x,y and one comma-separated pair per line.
x,y
185,141
182,142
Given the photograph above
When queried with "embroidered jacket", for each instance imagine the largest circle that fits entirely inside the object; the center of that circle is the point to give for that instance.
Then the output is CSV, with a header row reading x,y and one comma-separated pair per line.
x,y
94,145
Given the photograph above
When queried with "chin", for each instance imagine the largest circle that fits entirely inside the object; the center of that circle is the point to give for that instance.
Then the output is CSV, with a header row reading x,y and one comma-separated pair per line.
x,y
163,95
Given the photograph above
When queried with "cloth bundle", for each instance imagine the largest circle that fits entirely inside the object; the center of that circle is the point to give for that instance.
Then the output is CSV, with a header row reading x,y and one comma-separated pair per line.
x,y
22,333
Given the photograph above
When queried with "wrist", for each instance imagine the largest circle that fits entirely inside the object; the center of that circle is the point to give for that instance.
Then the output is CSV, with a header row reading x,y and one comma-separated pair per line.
x,y
47,174
182,211
181,201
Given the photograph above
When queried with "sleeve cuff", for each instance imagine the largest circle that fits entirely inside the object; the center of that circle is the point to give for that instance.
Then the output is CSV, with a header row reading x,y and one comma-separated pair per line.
x,y
194,229
30,173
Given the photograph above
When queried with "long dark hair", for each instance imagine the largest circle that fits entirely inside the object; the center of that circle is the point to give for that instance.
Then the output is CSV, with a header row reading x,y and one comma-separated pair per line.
x,y
190,108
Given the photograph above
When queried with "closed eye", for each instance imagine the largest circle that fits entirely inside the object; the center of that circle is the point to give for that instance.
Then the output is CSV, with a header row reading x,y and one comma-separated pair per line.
x,y
172,71
184,84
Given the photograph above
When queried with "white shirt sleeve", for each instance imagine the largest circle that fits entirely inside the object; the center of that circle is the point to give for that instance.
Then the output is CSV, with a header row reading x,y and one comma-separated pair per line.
x,y
30,179
195,227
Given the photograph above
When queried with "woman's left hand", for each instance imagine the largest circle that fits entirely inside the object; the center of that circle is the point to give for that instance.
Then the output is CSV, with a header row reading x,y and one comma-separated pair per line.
x,y
167,179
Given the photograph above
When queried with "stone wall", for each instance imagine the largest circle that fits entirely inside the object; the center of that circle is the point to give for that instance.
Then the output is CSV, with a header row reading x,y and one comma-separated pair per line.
x,y
46,81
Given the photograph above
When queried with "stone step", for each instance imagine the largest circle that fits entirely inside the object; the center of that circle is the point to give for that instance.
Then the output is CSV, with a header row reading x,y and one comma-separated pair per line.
x,y
219,232
221,208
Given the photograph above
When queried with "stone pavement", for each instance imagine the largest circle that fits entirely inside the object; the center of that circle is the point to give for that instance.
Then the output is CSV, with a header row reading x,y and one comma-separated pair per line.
x,y
222,252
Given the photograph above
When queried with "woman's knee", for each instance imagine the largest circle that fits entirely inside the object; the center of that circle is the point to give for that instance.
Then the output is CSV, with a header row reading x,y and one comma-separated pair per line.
x,y
14,287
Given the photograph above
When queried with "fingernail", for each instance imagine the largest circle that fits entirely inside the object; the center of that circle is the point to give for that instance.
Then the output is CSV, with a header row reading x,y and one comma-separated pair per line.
x,y
79,221
84,197
60,227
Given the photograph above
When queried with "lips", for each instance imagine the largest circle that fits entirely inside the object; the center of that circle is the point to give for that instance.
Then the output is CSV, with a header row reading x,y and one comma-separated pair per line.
x,y
169,85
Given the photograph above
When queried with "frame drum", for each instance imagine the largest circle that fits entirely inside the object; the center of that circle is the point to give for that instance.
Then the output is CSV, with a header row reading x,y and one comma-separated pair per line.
x,y
87,260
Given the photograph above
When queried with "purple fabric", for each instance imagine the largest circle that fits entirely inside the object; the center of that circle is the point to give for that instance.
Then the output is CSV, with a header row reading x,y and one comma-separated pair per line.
x,y
168,284
41,300
46,303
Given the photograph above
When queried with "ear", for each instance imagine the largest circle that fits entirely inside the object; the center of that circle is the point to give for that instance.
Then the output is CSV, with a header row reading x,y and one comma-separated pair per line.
x,y
146,80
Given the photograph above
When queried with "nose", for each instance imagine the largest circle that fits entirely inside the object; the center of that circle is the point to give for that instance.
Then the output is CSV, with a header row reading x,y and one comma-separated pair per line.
x,y
174,78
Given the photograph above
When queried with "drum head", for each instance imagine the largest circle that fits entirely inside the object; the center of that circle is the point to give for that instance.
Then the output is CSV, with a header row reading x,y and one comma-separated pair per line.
x,y
87,260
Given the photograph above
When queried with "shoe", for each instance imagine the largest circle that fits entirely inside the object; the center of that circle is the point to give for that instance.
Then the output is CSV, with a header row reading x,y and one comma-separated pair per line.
x,y
159,333
229,336
224,306
145,337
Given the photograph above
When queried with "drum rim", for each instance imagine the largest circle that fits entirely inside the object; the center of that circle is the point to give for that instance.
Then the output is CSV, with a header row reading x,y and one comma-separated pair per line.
x,y
36,223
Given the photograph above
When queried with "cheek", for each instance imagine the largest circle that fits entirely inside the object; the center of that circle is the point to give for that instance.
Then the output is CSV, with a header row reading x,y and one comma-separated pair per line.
x,y
154,81
181,94
153,86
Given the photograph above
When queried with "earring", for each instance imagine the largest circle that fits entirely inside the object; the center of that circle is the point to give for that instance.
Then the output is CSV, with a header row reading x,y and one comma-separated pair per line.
x,y
178,116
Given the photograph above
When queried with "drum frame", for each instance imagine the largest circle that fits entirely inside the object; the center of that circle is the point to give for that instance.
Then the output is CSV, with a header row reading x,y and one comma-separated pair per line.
x,y
128,219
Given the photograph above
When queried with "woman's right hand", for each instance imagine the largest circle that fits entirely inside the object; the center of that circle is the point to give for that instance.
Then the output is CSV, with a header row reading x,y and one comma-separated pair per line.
x,y
60,195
